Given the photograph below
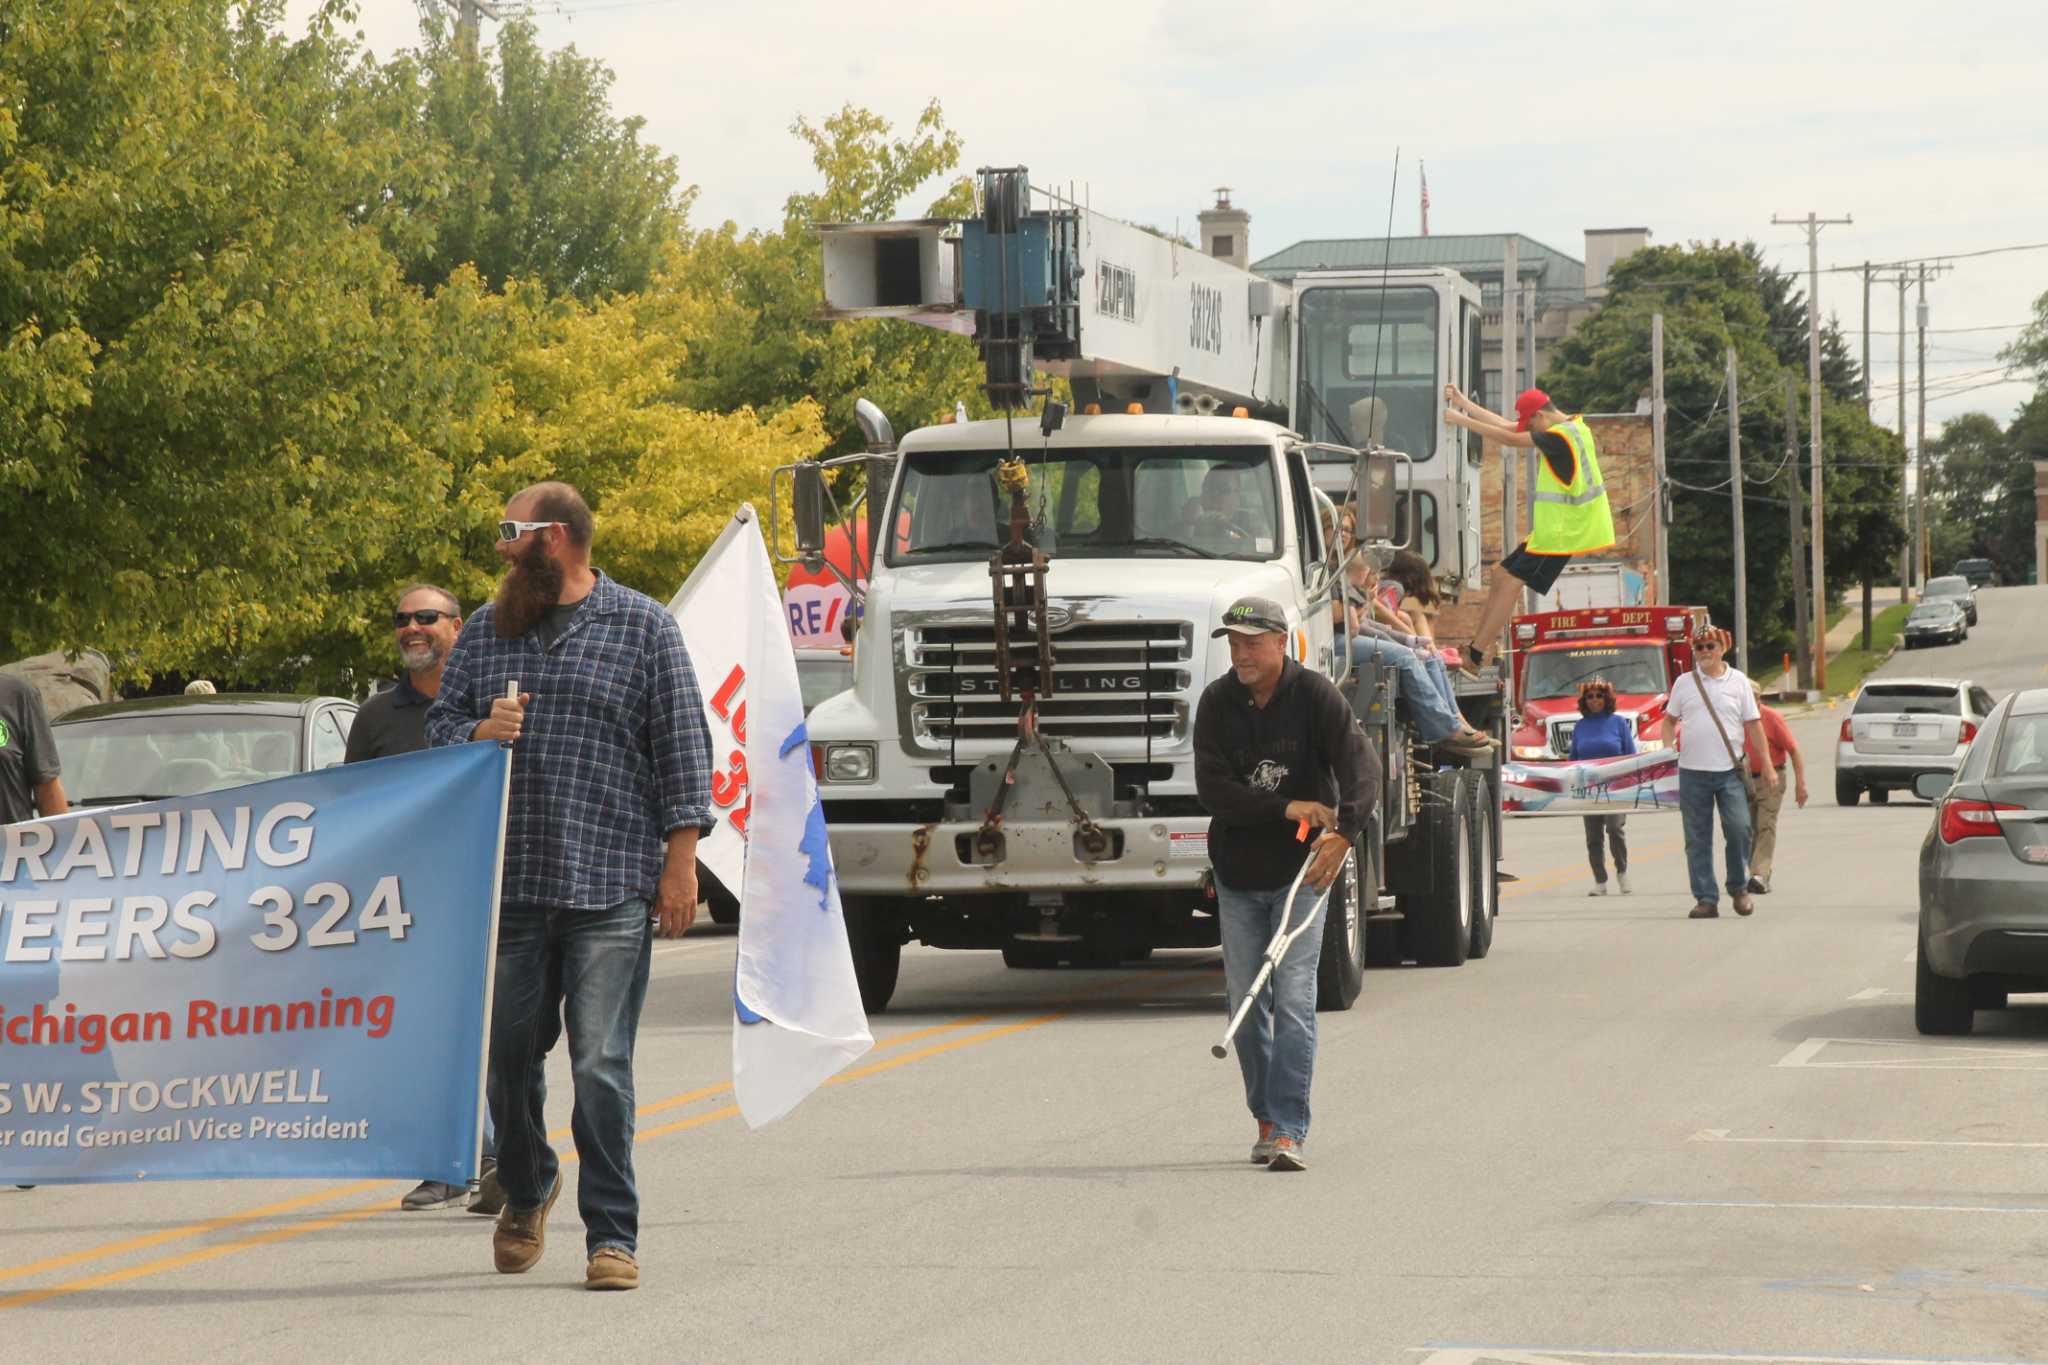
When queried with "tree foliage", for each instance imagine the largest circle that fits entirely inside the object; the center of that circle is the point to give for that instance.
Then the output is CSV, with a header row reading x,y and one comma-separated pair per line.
x,y
1713,297
1980,490
234,420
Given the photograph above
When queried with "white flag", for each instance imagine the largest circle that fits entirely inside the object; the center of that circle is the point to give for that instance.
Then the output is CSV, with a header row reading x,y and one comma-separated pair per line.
x,y
717,638
797,1016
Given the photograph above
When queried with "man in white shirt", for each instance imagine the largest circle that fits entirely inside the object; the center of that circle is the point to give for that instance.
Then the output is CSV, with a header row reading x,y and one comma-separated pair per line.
x,y
1711,764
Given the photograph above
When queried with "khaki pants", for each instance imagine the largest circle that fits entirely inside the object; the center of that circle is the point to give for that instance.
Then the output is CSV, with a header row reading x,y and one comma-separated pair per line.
x,y
1763,824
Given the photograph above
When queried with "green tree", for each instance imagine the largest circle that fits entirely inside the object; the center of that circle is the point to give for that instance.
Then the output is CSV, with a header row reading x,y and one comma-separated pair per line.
x,y
2029,350
540,179
1980,491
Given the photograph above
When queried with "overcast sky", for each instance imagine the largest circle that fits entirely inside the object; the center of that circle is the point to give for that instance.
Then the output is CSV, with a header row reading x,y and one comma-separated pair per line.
x,y
1926,123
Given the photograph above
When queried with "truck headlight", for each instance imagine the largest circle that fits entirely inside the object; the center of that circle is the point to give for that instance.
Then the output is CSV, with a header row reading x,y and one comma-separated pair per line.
x,y
1532,751
849,763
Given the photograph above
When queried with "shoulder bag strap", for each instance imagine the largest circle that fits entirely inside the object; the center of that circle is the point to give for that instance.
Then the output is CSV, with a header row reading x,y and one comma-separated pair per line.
x,y
1719,728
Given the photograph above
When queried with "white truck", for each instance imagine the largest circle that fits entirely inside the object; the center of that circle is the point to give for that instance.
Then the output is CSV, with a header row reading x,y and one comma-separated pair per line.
x,y
1012,766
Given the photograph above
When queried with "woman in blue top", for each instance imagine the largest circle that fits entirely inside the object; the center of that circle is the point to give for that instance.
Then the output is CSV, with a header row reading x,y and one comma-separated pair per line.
x,y
1601,733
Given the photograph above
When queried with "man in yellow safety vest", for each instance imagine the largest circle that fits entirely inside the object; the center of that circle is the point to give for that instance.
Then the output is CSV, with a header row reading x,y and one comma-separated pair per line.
x,y
1571,515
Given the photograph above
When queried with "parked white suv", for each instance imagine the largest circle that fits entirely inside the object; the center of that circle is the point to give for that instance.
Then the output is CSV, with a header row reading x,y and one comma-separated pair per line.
x,y
1902,727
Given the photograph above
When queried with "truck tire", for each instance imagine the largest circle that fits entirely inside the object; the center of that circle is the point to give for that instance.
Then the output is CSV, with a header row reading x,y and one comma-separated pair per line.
x,y
1441,934
877,952
1485,886
1341,971
1941,1005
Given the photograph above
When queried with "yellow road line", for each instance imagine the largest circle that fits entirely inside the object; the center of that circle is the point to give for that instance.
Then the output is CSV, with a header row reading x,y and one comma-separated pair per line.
x,y
1562,876
276,1235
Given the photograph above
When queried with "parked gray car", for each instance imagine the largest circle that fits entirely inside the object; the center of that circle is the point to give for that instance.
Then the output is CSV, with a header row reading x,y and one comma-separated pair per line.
x,y
1902,727
1984,872
1953,587
1941,621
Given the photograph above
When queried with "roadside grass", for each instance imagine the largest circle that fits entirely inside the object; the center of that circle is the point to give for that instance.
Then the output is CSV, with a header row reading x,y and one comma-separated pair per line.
x,y
1847,667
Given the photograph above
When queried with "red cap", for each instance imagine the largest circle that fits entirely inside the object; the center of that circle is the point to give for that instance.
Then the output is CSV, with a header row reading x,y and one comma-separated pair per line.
x,y
1528,405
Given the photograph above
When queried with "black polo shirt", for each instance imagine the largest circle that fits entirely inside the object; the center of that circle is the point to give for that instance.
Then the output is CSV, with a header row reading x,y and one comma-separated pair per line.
x,y
28,751
392,722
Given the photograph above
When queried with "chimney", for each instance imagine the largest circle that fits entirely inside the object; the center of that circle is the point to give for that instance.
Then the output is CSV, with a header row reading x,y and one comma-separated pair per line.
x,y
1604,248
1225,230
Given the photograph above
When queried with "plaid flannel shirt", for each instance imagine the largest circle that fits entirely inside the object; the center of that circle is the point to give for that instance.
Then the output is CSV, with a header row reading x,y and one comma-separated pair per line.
x,y
614,755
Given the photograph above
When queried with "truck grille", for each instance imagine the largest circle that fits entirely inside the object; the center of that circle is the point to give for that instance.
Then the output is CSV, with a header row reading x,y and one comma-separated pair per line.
x,y
1561,733
1117,680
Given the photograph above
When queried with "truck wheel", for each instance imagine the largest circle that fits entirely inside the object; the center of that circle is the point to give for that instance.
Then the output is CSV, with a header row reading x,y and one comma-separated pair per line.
x,y
1941,1005
1341,970
1847,793
1031,957
1442,933
1485,886
877,952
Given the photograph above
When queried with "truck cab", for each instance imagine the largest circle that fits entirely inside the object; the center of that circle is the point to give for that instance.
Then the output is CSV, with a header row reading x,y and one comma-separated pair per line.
x,y
1642,651
1153,525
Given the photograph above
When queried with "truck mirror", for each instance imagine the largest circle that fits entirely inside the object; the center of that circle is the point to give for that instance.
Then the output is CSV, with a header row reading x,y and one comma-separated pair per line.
x,y
1380,498
807,509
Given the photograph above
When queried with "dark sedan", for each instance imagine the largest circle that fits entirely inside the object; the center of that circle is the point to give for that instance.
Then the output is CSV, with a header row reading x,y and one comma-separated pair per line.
x,y
181,746
1938,621
1984,871
1955,588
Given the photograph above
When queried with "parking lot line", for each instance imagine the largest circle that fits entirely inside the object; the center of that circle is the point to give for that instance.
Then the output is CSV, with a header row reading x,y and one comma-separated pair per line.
x,y
1722,1135
1824,1206
2016,1059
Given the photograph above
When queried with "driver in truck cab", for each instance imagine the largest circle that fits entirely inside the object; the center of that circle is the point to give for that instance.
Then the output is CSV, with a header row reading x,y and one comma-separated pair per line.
x,y
1571,515
1276,749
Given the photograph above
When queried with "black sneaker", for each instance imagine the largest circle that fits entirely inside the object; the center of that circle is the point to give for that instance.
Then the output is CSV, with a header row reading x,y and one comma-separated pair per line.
x,y
489,1196
1759,887
433,1194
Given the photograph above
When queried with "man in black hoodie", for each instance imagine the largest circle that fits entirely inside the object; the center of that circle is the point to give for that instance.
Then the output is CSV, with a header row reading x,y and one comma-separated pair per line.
x,y
1276,747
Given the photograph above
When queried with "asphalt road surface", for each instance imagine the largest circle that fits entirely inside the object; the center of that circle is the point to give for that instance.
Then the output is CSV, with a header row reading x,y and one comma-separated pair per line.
x,y
1624,1136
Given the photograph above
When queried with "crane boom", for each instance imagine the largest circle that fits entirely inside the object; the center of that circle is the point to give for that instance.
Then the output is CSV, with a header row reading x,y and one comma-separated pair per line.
x,y
1125,314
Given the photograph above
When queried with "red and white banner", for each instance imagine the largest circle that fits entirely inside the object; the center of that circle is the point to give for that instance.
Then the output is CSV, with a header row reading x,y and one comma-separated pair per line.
x,y
716,635
1633,784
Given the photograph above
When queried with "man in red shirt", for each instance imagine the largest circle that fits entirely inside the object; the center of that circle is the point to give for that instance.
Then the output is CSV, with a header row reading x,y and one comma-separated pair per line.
x,y
1763,810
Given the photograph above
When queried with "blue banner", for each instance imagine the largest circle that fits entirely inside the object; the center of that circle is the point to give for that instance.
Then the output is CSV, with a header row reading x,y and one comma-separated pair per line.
x,y
283,979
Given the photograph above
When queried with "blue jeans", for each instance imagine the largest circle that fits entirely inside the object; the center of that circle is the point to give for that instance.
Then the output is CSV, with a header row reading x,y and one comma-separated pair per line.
x,y
1699,793
588,968
1429,693
1276,1047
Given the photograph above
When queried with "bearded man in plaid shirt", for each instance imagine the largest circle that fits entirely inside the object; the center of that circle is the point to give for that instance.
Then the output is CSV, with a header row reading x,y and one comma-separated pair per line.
x,y
611,785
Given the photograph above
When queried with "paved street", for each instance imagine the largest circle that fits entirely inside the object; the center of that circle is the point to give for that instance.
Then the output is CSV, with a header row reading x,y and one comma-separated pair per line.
x,y
1624,1136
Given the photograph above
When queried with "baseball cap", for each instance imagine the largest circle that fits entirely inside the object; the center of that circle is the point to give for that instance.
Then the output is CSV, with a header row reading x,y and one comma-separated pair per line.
x,y
1531,402
1253,616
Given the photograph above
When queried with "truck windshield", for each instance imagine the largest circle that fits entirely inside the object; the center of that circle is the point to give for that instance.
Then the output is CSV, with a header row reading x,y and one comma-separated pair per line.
x,y
1369,368
1634,669
1206,502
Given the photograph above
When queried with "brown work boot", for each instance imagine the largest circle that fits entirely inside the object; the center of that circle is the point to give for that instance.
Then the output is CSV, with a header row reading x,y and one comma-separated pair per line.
x,y
1705,910
611,1268
1743,903
522,1235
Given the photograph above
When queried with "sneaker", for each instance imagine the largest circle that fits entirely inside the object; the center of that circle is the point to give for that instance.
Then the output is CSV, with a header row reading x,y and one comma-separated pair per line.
x,y
1621,880
1287,1156
432,1194
611,1268
488,1198
1759,887
1599,889
1705,910
521,1236
1744,905
1262,1150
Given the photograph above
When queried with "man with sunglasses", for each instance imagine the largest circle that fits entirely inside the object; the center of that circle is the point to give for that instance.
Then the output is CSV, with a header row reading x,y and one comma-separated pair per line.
x,y
611,786
394,721
1711,715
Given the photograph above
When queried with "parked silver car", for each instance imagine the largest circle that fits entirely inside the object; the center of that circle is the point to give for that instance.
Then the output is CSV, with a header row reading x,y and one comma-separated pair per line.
x,y
1984,872
1941,621
1952,587
1902,727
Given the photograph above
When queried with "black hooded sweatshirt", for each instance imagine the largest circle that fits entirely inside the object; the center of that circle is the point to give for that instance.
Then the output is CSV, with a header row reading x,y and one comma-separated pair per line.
x,y
1250,761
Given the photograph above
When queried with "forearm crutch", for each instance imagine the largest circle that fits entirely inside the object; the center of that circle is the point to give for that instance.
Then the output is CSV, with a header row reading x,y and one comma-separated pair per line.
x,y
1276,949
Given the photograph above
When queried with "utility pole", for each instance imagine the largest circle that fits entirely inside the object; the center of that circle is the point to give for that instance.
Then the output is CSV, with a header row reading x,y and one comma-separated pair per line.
x,y
470,14
1920,439
1792,501
1908,557
1866,338
1661,497
1735,498
1813,224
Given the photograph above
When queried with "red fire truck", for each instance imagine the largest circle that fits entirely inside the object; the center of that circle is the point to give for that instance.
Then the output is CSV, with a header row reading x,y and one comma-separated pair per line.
x,y
1640,650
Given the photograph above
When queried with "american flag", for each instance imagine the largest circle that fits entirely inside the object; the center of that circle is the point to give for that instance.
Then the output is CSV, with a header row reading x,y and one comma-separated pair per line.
x,y
1424,166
